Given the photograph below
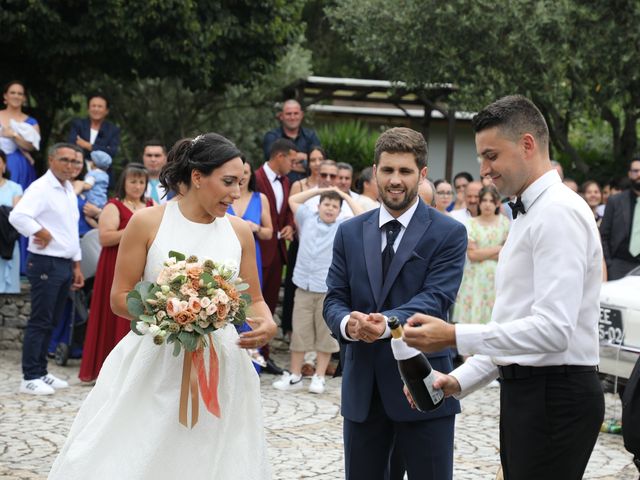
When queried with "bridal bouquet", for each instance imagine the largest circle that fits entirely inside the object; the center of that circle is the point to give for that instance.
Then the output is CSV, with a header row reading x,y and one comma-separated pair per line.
x,y
190,299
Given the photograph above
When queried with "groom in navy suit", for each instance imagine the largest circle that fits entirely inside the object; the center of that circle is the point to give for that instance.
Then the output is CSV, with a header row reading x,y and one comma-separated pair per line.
x,y
400,259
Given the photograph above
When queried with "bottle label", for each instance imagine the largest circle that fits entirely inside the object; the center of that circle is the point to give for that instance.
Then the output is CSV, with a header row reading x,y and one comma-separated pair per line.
x,y
436,394
402,351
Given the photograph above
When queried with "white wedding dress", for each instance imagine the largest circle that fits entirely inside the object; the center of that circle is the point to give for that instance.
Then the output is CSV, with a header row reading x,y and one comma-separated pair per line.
x,y
128,429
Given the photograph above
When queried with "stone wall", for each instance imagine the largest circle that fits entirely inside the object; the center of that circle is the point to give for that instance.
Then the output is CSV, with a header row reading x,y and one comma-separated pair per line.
x,y
14,312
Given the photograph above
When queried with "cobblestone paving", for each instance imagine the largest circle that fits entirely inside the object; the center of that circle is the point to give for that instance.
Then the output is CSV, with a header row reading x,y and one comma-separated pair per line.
x,y
304,431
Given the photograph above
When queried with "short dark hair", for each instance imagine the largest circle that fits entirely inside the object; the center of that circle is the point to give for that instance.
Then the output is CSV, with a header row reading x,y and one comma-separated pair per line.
x,y
57,146
635,158
493,191
515,115
204,153
344,166
402,140
282,145
101,95
466,175
154,142
366,176
331,163
132,169
330,195
3,157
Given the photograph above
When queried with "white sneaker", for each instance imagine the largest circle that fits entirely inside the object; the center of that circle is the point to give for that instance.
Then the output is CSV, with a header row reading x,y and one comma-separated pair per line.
x,y
287,382
317,384
35,387
54,381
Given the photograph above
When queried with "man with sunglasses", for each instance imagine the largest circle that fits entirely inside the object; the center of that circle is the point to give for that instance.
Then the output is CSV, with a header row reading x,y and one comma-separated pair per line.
x,y
329,177
328,174
48,215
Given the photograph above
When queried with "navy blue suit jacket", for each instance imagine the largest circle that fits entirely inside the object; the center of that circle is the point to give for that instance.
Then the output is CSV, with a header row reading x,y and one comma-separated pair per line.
x,y
108,139
423,277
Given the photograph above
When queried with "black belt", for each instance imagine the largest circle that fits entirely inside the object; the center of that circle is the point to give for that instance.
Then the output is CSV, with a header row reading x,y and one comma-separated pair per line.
x,y
515,371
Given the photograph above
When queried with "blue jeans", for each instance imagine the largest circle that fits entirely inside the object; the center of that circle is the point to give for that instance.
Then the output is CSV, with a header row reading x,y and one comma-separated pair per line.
x,y
50,279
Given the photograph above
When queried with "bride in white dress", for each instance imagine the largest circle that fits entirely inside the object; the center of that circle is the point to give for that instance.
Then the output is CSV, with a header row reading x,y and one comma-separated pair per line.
x,y
128,428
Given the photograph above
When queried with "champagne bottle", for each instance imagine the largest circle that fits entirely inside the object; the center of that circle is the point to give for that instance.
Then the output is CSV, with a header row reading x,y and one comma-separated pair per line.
x,y
415,370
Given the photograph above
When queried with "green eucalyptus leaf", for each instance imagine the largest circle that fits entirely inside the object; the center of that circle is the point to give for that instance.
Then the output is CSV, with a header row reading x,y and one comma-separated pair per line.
x,y
134,327
177,255
135,307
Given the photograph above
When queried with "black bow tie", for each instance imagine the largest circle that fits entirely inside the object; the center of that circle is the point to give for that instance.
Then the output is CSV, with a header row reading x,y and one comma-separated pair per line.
x,y
517,207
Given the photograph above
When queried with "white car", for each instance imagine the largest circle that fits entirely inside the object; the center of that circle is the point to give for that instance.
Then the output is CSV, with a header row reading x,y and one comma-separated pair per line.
x,y
620,325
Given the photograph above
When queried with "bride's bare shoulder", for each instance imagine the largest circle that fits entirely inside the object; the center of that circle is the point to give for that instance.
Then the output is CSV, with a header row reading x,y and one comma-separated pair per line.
x,y
149,216
145,222
243,232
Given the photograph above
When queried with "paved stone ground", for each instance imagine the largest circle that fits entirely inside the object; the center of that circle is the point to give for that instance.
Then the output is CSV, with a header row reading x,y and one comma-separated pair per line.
x,y
303,431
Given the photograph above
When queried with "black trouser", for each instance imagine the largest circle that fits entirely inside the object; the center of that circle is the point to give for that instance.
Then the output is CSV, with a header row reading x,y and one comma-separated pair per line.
x,y
549,424
50,279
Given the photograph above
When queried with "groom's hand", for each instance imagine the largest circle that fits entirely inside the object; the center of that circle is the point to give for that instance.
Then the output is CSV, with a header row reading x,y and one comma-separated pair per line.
x,y
367,328
374,328
355,324
429,334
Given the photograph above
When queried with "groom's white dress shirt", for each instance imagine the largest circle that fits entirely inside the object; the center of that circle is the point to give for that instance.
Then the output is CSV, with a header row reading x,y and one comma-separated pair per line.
x,y
547,290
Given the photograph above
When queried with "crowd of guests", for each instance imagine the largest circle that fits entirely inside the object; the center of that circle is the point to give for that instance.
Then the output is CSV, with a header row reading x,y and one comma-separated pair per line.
x,y
293,204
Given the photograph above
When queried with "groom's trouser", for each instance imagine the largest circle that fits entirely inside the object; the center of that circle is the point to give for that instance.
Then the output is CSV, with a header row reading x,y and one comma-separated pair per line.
x,y
426,446
549,423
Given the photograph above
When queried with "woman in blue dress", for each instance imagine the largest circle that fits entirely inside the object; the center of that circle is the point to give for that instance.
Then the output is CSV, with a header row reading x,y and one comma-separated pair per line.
x,y
19,135
10,193
253,208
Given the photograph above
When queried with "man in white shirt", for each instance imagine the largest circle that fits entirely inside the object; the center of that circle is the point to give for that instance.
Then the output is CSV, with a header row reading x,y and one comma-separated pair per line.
x,y
471,201
542,340
48,215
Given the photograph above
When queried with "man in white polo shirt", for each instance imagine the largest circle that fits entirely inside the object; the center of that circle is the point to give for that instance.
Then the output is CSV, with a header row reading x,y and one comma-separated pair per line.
x,y
48,215
542,340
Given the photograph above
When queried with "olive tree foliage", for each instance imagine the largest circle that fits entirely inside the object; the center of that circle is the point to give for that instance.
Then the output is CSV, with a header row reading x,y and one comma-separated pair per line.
x,y
58,48
572,58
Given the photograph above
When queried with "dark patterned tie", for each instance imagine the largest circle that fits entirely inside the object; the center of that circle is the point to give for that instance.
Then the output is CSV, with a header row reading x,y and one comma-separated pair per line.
x,y
392,229
517,207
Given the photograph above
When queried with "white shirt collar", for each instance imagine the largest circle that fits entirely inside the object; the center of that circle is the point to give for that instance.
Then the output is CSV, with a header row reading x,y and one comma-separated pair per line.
x,y
271,175
54,182
533,191
404,219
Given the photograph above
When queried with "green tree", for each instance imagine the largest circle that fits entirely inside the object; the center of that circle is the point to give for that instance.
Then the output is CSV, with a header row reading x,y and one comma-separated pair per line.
x,y
166,109
572,58
58,48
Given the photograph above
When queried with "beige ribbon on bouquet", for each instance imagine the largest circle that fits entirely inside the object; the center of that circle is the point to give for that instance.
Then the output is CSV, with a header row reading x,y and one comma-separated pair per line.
x,y
194,378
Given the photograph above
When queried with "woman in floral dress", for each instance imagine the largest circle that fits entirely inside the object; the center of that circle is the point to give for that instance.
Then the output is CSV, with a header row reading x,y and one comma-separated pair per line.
x,y
487,233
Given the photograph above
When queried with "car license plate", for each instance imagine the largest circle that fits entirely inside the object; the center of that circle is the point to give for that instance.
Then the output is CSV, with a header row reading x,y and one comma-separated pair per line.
x,y
610,326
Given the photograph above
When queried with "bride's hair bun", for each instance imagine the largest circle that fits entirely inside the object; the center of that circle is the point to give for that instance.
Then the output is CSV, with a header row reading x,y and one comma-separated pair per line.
x,y
204,153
